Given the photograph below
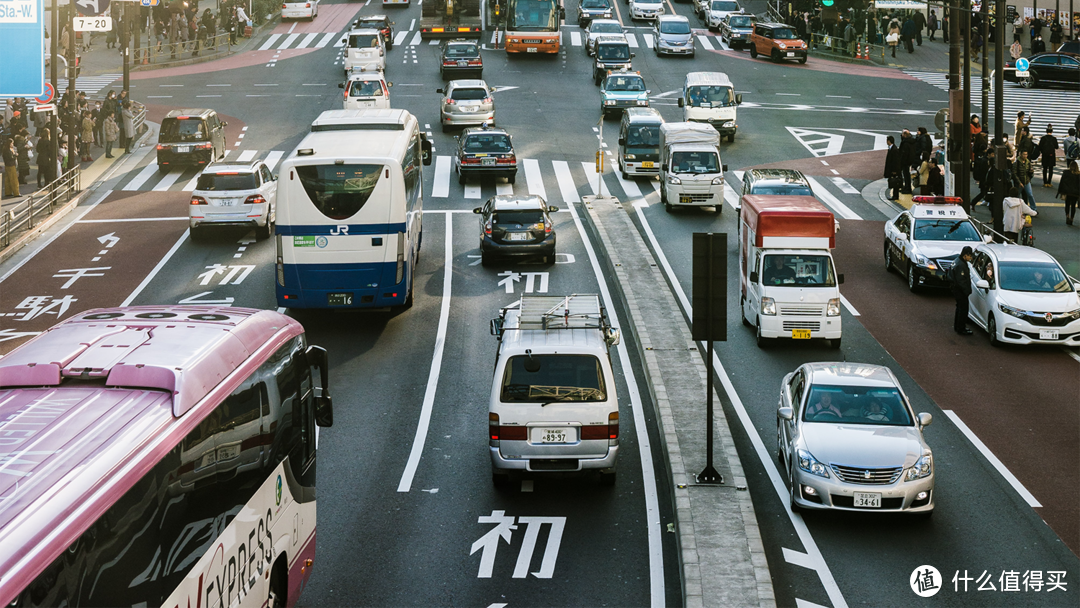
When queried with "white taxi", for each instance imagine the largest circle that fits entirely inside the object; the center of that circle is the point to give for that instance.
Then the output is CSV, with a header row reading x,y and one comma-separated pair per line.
x,y
924,242
366,90
364,49
309,9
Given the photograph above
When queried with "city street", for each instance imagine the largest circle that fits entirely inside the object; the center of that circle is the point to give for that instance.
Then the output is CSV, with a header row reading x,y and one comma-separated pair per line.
x,y
407,511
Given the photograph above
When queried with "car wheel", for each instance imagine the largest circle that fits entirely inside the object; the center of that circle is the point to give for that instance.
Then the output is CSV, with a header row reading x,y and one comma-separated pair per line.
x,y
779,445
607,479
162,169
753,51
835,343
445,128
511,179
500,480
991,330
409,298
795,508
1029,82
912,284
731,138
461,177
888,259
596,78
742,312
486,260
263,232
762,341
196,234
803,60
775,56
625,175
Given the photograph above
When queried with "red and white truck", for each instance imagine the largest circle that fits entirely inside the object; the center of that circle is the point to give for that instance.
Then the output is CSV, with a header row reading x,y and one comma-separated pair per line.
x,y
788,282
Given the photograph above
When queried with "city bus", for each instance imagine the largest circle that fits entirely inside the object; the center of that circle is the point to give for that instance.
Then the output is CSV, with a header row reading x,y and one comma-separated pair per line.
x,y
532,26
161,456
349,211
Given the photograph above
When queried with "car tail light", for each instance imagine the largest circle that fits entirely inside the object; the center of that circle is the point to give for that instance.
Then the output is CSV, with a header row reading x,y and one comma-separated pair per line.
x,y
450,102
513,433
613,425
507,159
284,6
493,426
547,227
198,200
160,147
255,199
601,431
487,100
307,5
205,146
487,228
449,62
475,62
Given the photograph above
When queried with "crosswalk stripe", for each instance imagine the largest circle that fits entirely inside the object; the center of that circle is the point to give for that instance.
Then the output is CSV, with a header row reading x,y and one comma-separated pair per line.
x,y
167,181
631,40
567,188
270,42
629,186
575,38
273,158
831,201
325,40
472,189
246,155
648,40
400,38
339,43
590,174
288,41
731,190
441,185
307,40
501,188
533,177
141,178
843,185
705,43
188,187
415,39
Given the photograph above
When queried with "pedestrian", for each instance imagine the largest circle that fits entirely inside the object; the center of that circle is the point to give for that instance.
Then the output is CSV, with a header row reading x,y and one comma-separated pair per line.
x,y
907,33
1018,28
1069,189
945,27
935,178
850,38
1023,171
893,38
112,133
909,159
110,38
976,44
920,25
984,177
87,137
1021,122
128,117
11,168
1056,34
924,174
923,142
1015,210
1037,45
46,160
99,120
1071,146
932,24
1048,147
893,167
1016,50
1036,29
960,274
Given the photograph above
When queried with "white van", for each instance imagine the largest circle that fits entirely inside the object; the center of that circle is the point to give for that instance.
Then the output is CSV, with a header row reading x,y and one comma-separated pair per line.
x,y
365,48
366,90
709,97
553,405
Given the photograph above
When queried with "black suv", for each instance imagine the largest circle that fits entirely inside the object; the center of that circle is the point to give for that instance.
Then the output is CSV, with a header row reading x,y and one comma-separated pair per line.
x,y
460,58
513,225
612,53
485,151
190,137
593,9
377,22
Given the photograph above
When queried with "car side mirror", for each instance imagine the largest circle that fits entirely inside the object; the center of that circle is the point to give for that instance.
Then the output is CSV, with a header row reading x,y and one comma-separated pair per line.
x,y
552,208
622,141
753,276
425,151
681,102
496,327
738,99
786,413
341,85
982,284
989,238
840,279
389,84
724,167
648,91
440,91
478,210
925,419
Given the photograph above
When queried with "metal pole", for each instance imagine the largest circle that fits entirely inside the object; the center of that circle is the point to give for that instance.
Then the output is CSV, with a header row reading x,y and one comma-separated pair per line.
x,y
709,474
53,122
956,109
999,75
125,47
73,106
986,67
965,142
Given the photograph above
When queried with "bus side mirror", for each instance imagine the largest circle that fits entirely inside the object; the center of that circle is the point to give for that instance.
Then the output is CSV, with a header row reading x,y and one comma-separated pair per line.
x,y
622,141
324,404
425,151
738,99
753,276
681,102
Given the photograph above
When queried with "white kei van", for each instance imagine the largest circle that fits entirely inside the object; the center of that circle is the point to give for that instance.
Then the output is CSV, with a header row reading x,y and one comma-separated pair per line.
x,y
709,97
364,48
366,90
553,404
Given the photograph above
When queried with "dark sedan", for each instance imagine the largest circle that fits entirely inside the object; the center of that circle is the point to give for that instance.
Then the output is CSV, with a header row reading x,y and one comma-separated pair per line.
x,y
378,22
516,226
1046,68
461,59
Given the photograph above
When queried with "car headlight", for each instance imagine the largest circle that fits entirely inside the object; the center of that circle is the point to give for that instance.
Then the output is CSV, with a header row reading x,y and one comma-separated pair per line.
x,y
781,45
609,102
833,309
643,102
768,306
730,123
924,261
1010,310
924,467
808,463
718,181
1072,314
630,156
674,181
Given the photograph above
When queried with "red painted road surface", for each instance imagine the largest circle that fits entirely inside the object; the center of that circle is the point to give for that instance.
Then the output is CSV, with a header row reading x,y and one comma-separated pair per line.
x,y
332,18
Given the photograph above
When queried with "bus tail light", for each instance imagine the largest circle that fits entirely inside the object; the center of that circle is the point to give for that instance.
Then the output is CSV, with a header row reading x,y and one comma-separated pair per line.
x,y
280,264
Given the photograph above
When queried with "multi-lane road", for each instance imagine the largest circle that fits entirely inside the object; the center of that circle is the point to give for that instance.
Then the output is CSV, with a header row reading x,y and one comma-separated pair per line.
x,y
407,522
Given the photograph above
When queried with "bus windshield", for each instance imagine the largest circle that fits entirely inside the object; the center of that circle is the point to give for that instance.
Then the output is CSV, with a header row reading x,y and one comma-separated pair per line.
x,y
534,16
339,191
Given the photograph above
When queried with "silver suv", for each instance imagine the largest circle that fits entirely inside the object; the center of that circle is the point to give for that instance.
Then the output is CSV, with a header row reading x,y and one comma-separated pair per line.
x,y
466,103
234,194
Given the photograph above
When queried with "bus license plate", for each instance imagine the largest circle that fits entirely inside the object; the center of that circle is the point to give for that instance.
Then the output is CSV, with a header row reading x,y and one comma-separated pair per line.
x,y
1048,334
553,436
339,299
800,334
685,199
647,164
867,500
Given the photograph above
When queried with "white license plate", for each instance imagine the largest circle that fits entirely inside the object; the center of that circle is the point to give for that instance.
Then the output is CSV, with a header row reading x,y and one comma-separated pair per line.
x,y
228,452
183,148
470,109
226,202
790,54
868,500
518,236
487,161
1048,334
551,436
531,49
463,64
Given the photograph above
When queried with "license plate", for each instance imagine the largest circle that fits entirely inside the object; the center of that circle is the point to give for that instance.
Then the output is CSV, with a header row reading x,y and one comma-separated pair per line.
x,y
867,500
685,199
1048,334
470,109
226,202
339,299
487,161
647,164
463,64
553,436
532,42
183,148
518,236
228,452
531,49
800,334
790,54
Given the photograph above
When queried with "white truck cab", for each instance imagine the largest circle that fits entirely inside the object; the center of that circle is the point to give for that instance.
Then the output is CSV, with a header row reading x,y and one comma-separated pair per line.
x,y
691,172
710,98
788,281
553,404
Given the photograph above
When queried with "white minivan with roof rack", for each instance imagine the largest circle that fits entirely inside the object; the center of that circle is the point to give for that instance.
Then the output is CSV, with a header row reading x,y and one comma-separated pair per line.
x,y
553,404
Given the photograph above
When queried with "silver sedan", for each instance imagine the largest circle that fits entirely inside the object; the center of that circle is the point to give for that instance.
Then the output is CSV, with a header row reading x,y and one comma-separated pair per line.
x,y
849,440
466,103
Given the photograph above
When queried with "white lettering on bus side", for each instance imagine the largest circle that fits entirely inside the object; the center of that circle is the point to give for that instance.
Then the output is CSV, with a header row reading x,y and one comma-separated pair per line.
x,y
340,230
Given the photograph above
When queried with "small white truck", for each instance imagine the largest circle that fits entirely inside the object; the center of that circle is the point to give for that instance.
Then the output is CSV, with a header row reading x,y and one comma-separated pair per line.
x,y
691,172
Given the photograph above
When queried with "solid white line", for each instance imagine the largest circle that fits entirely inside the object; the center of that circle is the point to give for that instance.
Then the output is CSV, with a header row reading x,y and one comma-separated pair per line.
x,y
799,603
273,158
400,38
1070,352
295,23
1000,466
325,40
307,40
705,43
440,187
567,188
161,264
52,238
167,181
135,219
629,186
648,470
813,553
848,306
831,201
436,364
141,178
798,558
246,155
533,177
843,185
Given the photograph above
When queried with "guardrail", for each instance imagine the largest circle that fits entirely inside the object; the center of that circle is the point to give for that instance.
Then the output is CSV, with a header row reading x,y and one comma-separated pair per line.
x,y
858,49
168,52
39,205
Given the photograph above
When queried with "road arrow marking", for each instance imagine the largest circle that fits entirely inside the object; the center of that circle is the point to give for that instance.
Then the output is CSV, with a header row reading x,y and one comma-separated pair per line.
x,y
108,239
195,299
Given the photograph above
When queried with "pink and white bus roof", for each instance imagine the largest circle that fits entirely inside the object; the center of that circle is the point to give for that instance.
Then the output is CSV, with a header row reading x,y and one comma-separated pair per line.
x,y
91,405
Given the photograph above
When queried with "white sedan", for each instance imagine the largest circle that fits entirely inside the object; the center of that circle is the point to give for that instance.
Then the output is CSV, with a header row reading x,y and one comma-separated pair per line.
x,y
309,9
1022,295
646,9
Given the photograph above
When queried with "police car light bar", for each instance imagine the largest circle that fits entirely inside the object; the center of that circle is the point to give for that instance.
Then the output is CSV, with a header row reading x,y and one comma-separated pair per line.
x,y
938,200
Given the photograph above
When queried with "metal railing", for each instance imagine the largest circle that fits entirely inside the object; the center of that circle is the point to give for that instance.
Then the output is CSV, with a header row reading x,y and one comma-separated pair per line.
x,y
168,52
39,205
858,49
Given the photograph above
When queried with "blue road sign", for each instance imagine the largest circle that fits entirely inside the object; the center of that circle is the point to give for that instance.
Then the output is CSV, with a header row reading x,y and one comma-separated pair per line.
x,y
1022,65
22,28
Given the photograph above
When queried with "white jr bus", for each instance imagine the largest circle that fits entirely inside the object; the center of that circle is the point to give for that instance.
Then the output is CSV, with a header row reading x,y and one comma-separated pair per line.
x,y
160,456
349,206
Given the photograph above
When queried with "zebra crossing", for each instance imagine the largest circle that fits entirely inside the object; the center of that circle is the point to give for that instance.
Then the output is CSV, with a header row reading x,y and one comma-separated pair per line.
x,y
709,43
281,42
1057,106
90,85
148,178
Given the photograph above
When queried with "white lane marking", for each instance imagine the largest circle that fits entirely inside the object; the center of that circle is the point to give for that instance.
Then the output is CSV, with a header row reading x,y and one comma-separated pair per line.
x,y
340,42
768,462
270,42
292,38
141,178
433,43
705,43
648,40
533,177
167,181
440,187
415,39
1000,466
325,40
188,187
843,185
307,40
629,186
567,188
436,363
295,23
472,189
798,558
501,188
177,218
731,197
412,25
791,94
848,306
799,603
831,201
839,96
648,470
631,40
273,158
575,38
1070,352
592,178
400,38
48,242
161,264
246,155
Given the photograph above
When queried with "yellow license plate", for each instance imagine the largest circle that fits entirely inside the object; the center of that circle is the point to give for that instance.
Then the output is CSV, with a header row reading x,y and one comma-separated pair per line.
x,y
800,334
646,164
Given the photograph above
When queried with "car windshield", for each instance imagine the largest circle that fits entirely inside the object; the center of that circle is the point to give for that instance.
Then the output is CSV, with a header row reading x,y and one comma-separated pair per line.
x,y
366,88
710,97
363,41
605,28
227,181
613,52
945,230
725,6
625,83
462,50
695,162
518,218
784,189
675,27
534,16
784,33
798,270
648,1
470,94
643,136
594,4
494,142
176,129
856,405
741,21
556,378
373,23
339,191
1040,277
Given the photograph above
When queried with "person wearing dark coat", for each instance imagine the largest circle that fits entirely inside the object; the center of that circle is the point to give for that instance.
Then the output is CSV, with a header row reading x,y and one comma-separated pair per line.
x,y
960,274
909,157
1048,147
1038,45
907,34
935,179
920,25
46,158
893,169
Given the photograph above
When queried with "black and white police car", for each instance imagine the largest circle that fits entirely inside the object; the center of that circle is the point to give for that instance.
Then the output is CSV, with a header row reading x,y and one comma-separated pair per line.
x,y
924,241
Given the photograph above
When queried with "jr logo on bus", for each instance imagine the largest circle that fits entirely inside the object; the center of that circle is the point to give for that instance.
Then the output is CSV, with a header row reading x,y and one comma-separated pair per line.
x,y
339,231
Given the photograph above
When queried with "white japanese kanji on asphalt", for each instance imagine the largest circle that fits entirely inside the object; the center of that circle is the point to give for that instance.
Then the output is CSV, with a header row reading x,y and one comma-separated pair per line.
x,y
36,306
236,274
512,277
488,544
74,274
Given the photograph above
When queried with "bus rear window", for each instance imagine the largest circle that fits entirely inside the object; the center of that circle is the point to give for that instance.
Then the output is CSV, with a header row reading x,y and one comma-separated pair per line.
x,y
339,191
552,378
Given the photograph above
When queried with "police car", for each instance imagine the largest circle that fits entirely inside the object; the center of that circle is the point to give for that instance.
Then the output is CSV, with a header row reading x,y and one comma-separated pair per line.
x,y
925,241
621,90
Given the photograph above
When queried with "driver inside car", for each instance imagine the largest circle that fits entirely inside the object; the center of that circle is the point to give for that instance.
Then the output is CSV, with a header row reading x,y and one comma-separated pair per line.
x,y
823,408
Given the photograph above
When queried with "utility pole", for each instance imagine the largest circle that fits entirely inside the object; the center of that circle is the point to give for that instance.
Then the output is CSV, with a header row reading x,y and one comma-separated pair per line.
x,y
965,142
956,104
986,66
54,134
73,106
125,46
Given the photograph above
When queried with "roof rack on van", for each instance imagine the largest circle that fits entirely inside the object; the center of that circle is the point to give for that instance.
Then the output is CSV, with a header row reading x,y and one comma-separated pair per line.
x,y
543,313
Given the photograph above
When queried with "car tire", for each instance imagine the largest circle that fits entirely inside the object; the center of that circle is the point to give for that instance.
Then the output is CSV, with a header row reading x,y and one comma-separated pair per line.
x,y
795,508
461,178
742,312
1030,82
161,169
991,330
409,298
835,343
774,57
263,232
803,61
487,260
779,445
912,285
511,179
445,128
888,259
753,51
500,480
596,78
196,234
731,138
625,175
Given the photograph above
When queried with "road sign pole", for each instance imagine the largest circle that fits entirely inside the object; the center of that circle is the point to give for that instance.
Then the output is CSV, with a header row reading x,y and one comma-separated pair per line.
x,y
73,71
125,46
54,123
